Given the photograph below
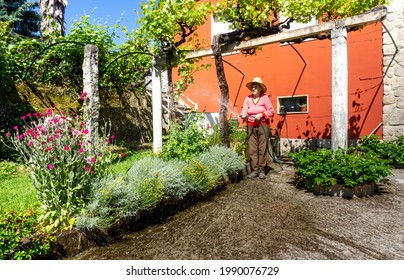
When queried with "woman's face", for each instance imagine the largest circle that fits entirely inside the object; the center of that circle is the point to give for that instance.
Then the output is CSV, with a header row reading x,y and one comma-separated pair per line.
x,y
255,88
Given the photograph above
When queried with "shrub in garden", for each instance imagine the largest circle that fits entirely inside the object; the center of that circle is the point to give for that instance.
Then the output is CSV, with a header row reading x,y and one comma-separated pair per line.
x,y
183,143
14,227
111,199
326,168
226,161
63,162
392,151
199,177
146,182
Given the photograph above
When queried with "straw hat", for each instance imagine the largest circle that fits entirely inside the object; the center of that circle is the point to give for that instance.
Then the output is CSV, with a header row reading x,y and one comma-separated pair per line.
x,y
257,80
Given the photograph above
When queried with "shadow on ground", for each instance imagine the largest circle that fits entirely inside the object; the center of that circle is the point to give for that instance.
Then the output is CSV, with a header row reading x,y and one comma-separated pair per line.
x,y
272,219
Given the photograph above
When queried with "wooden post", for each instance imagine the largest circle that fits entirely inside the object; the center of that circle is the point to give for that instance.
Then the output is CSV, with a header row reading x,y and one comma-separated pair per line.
x,y
156,106
339,76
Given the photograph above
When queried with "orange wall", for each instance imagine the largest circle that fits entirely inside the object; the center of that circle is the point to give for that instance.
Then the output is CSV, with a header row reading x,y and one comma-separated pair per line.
x,y
280,68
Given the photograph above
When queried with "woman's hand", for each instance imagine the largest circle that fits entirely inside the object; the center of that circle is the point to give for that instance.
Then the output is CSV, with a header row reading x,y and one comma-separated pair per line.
x,y
258,117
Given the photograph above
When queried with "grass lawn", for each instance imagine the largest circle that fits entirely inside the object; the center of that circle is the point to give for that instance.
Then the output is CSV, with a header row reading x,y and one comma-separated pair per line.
x,y
17,192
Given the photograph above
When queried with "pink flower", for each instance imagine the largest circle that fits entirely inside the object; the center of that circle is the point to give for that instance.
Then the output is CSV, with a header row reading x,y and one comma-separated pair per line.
x,y
15,127
122,155
48,112
8,135
66,148
107,140
23,117
85,131
93,160
48,149
112,137
88,168
100,155
50,166
81,150
50,138
20,136
30,144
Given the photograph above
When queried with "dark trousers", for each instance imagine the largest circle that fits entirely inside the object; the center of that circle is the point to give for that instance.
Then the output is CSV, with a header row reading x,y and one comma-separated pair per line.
x,y
257,146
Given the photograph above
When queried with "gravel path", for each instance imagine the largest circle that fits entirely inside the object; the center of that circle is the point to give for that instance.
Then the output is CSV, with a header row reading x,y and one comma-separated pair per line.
x,y
272,219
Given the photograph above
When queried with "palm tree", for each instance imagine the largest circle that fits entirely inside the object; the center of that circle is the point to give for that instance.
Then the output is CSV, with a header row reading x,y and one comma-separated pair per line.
x,y
22,16
52,17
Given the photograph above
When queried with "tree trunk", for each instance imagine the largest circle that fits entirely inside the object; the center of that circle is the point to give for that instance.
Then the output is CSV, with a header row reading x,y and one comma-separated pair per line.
x,y
52,11
170,90
224,89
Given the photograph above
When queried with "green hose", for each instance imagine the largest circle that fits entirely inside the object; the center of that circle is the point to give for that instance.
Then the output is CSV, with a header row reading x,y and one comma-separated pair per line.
x,y
274,146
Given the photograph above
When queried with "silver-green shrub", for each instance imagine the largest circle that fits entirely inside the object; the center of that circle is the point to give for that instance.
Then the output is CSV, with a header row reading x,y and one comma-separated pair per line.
x,y
224,159
199,177
146,180
111,199
169,172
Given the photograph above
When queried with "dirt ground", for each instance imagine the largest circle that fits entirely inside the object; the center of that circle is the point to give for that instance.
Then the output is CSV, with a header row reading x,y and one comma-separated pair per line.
x,y
272,219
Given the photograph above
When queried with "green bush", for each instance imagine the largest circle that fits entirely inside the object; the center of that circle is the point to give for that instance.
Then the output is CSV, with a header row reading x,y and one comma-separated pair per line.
x,y
200,177
145,182
111,199
392,151
16,227
325,168
183,143
150,179
227,161
314,168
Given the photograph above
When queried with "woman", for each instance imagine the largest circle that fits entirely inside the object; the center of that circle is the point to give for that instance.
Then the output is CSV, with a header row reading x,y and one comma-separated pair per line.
x,y
257,109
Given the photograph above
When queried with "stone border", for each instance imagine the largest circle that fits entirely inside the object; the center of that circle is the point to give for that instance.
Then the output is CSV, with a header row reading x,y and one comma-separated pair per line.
x,y
362,190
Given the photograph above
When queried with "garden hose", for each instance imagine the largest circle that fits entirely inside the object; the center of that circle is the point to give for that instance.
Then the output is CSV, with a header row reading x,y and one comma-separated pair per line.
x,y
274,145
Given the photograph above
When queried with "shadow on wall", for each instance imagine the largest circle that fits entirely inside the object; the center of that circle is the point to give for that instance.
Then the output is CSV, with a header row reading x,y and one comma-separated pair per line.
x,y
130,114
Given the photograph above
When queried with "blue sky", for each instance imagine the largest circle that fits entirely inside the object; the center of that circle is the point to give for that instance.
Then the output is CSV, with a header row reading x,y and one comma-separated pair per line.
x,y
104,12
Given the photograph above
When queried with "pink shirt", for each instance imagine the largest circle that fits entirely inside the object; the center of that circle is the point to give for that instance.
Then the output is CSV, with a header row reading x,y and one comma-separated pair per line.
x,y
263,105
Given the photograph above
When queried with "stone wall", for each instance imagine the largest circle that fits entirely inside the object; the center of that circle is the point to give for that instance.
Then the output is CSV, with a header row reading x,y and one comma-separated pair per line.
x,y
393,44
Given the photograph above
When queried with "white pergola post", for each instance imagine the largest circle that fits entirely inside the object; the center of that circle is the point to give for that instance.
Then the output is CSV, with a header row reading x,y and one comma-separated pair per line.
x,y
156,106
339,76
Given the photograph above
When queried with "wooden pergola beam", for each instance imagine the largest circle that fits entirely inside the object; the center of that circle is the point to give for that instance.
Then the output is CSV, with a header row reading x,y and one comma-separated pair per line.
x,y
362,19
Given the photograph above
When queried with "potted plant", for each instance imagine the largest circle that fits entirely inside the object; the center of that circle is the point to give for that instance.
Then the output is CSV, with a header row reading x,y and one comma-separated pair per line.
x,y
303,107
282,109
